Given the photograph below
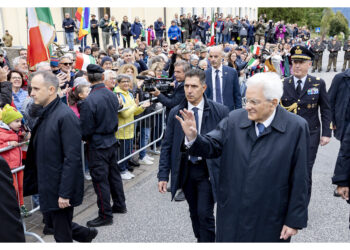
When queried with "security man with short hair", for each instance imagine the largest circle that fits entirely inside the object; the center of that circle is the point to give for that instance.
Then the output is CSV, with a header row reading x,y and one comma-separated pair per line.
x,y
99,123
346,48
304,95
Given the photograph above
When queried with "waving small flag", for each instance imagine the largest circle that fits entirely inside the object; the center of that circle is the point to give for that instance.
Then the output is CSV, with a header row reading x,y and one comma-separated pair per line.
x,y
83,15
255,49
83,60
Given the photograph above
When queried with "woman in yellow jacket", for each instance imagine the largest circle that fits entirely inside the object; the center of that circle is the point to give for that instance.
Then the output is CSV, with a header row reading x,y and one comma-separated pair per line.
x,y
126,135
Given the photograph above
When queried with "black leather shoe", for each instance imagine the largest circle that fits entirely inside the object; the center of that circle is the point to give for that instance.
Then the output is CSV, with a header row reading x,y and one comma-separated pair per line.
x,y
168,189
328,70
313,71
118,210
134,163
180,196
92,234
335,70
131,168
98,222
48,230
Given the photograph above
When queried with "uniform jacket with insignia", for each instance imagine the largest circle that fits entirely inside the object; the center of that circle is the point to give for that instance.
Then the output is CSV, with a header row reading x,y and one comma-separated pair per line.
x,y
336,47
347,52
318,50
313,95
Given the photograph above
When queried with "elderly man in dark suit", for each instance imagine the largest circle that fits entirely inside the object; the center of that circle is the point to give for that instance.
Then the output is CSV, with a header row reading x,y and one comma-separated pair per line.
x,y
222,81
196,176
263,171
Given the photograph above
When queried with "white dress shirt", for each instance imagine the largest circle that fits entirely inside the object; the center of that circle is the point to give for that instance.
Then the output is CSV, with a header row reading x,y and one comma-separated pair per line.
x,y
200,107
302,82
266,123
213,76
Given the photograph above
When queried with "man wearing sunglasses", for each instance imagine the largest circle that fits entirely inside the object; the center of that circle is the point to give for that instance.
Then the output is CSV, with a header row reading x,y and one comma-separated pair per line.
x,y
65,71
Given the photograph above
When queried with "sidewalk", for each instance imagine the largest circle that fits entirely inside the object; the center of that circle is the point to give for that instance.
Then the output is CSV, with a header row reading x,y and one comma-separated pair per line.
x,y
88,209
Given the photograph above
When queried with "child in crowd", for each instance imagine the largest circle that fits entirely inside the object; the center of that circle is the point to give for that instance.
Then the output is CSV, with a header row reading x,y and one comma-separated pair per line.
x,y
11,135
76,95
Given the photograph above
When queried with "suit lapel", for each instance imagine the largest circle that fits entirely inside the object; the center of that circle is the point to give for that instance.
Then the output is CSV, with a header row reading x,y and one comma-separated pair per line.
x,y
224,77
291,88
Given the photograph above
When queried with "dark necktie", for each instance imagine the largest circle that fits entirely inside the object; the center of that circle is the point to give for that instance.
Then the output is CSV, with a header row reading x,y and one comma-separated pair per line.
x,y
194,159
261,128
217,87
299,87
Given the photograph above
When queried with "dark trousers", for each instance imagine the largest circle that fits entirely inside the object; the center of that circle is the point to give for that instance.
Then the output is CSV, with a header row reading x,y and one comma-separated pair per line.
x,y
313,148
126,40
95,38
199,196
106,180
64,229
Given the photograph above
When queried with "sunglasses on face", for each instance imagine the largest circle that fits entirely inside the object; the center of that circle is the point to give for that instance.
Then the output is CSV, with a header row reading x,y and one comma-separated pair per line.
x,y
67,64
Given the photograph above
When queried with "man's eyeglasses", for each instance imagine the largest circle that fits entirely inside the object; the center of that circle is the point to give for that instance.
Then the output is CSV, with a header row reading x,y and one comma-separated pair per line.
x,y
165,46
67,64
125,81
253,102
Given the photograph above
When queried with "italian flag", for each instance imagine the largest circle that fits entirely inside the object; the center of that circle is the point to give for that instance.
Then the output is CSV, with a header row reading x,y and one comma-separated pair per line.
x,y
212,32
83,60
255,49
252,62
41,34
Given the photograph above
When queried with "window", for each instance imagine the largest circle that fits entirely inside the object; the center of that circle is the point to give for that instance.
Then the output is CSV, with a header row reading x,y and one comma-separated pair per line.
x,y
182,11
70,11
103,11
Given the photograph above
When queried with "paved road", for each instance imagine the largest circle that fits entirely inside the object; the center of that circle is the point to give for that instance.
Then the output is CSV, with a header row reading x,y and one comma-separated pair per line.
x,y
152,217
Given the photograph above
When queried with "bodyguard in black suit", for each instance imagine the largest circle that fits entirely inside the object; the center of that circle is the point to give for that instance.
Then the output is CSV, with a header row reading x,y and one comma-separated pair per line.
x,y
304,95
339,98
222,81
196,176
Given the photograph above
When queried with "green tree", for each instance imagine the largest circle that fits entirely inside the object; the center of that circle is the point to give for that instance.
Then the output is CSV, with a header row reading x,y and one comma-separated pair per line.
x,y
310,17
338,24
328,15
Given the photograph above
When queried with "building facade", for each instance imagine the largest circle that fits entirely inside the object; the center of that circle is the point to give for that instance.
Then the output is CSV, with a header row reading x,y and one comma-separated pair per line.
x,y
14,19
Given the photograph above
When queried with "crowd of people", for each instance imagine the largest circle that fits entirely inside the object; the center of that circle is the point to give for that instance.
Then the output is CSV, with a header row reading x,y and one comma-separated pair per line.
x,y
57,106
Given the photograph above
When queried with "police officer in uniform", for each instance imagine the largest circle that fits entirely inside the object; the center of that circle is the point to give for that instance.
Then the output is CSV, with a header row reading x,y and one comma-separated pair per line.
x,y
318,49
304,95
346,48
99,122
333,48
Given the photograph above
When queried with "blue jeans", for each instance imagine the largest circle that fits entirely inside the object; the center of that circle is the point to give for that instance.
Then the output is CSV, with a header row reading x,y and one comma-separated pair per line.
x,y
227,38
145,135
218,38
70,40
83,43
114,38
124,150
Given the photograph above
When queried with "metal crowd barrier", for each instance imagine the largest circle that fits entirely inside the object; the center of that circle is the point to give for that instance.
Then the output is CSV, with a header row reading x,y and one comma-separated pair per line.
x,y
153,122
33,210
156,121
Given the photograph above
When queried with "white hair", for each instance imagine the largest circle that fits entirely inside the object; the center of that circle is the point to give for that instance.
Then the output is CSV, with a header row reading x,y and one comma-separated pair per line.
x,y
271,83
43,66
108,73
16,60
202,62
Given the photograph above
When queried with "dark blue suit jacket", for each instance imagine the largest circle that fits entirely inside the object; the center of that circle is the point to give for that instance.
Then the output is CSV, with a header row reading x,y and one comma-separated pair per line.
x,y
231,91
174,156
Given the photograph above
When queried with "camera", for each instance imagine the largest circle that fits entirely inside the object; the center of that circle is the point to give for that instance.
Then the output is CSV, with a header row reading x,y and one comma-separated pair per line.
x,y
162,84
